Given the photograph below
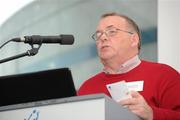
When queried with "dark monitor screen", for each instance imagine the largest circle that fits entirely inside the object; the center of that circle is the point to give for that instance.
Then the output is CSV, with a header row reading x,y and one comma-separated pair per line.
x,y
30,87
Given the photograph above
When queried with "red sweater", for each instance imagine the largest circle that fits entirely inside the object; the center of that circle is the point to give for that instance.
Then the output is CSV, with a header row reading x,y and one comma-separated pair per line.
x,y
160,90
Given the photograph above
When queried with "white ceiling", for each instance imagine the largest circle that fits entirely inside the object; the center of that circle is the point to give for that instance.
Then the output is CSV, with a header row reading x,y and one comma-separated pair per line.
x,y
9,7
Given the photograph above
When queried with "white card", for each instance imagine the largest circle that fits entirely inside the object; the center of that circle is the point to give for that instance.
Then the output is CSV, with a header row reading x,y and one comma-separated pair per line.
x,y
135,86
119,91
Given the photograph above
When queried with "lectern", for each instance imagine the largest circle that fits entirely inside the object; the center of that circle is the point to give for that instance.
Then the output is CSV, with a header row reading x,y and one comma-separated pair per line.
x,y
89,107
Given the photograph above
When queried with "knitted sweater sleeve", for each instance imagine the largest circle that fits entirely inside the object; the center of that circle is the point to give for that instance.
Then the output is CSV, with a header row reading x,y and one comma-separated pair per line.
x,y
168,97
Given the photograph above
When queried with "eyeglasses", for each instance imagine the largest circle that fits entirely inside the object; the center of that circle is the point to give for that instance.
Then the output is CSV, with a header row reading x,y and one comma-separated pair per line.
x,y
108,32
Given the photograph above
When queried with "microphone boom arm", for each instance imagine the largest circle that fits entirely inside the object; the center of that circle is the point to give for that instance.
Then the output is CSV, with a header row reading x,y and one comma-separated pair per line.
x,y
30,52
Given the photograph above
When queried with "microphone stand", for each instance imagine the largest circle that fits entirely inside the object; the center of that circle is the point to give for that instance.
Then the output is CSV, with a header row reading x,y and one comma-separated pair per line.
x,y
30,52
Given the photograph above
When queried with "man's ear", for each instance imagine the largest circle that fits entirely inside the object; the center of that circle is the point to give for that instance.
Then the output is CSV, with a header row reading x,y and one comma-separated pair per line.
x,y
134,39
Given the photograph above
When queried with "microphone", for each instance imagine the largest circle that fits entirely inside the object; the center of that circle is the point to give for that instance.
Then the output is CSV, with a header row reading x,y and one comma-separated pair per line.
x,y
37,39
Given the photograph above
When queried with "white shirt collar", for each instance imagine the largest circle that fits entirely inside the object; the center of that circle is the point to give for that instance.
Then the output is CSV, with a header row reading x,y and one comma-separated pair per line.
x,y
127,66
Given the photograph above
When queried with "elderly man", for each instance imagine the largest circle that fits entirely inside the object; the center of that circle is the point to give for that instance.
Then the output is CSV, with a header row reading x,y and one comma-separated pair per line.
x,y
118,44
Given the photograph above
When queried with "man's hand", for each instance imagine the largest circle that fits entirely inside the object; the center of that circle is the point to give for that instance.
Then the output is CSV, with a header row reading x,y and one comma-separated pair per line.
x,y
138,106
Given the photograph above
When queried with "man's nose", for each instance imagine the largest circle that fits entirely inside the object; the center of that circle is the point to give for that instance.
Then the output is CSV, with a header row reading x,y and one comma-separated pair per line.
x,y
103,37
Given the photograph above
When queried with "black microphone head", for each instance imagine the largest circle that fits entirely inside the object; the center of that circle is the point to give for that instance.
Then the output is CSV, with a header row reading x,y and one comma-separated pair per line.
x,y
67,39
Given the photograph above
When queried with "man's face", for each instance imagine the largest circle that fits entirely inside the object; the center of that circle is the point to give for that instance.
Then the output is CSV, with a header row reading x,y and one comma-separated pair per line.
x,y
115,45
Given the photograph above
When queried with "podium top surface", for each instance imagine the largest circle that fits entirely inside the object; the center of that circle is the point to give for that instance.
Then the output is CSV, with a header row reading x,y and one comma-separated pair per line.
x,y
53,101
100,107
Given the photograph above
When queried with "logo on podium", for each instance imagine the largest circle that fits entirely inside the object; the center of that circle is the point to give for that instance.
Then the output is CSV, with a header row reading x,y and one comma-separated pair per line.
x,y
34,115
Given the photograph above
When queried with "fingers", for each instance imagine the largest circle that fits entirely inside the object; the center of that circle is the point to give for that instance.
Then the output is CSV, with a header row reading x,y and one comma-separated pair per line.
x,y
143,111
135,94
129,101
138,106
135,107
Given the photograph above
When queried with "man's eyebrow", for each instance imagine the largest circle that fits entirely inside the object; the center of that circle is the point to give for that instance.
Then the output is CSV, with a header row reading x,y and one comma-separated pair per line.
x,y
110,26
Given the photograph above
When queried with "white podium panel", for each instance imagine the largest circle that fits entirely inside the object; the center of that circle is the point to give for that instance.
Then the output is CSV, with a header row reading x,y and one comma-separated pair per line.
x,y
90,107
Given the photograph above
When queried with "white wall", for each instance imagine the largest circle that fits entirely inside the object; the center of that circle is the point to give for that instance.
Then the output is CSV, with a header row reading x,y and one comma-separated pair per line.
x,y
169,32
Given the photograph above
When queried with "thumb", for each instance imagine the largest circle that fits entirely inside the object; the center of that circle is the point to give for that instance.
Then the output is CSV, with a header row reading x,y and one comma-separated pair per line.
x,y
135,94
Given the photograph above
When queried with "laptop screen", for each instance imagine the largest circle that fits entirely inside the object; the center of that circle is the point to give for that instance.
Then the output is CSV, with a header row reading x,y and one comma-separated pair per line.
x,y
30,87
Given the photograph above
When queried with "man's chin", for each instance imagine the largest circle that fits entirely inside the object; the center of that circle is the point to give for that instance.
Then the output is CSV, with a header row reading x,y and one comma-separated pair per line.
x,y
105,57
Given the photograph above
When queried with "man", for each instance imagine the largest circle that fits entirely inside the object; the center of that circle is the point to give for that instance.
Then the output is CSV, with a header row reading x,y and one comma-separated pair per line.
x,y
118,43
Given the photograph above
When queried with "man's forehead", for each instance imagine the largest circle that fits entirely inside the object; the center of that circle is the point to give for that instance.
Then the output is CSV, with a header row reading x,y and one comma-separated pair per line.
x,y
111,21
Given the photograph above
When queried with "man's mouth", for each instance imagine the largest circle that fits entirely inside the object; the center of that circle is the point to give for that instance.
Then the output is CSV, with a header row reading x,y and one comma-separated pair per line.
x,y
104,46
